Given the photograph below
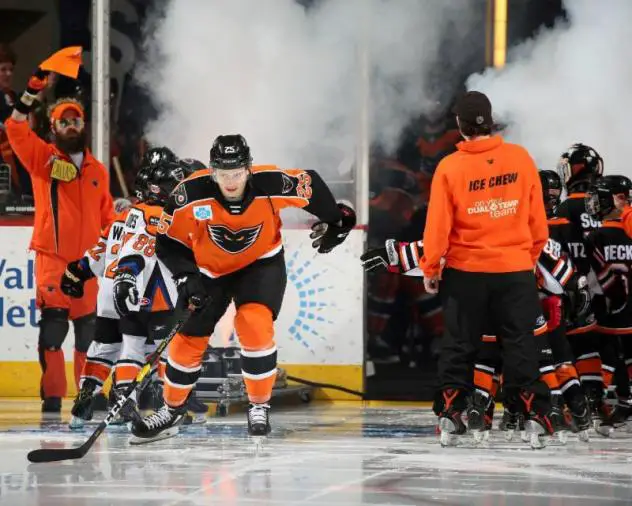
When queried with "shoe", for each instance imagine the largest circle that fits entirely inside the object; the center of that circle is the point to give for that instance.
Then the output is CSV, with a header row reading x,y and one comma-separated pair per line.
x,y
51,405
82,409
259,420
162,424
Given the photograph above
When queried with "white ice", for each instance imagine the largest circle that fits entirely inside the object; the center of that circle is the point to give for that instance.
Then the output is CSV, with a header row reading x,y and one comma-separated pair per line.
x,y
317,455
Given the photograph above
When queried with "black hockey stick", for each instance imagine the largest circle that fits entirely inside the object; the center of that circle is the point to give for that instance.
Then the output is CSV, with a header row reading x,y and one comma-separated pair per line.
x,y
137,386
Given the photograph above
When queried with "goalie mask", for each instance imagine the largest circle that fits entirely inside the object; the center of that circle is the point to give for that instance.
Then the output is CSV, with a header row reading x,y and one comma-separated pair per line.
x,y
579,164
551,190
600,196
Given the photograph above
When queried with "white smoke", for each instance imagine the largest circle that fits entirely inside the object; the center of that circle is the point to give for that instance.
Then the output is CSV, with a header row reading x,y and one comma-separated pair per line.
x,y
573,83
290,79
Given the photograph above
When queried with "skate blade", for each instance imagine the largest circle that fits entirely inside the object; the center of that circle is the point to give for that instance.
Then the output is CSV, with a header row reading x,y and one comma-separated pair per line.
x,y
447,437
583,436
166,434
258,444
604,430
508,434
76,423
562,436
480,436
536,435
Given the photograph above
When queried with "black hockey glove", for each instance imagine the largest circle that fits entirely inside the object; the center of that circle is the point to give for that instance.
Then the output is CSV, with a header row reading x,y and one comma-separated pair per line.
x,y
73,278
382,258
396,257
191,291
329,235
125,292
578,300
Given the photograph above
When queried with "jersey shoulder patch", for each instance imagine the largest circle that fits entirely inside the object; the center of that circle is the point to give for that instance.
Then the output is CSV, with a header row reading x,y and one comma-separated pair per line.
x,y
198,186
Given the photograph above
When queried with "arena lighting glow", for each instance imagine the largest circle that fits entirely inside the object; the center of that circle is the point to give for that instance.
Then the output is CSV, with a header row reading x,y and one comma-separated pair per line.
x,y
500,33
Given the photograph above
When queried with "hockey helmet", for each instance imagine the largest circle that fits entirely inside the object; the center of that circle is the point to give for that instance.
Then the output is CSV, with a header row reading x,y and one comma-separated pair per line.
x,y
156,156
600,196
230,152
163,178
192,164
141,182
579,164
551,190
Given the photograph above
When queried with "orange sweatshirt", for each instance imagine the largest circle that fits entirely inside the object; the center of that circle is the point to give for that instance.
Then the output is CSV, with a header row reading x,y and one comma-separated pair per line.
x,y
486,212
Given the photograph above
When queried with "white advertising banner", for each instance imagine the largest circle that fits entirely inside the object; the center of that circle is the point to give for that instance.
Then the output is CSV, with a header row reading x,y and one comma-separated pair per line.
x,y
321,321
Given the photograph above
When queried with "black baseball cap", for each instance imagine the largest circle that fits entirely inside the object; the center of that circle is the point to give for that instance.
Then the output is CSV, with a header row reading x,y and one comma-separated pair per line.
x,y
474,108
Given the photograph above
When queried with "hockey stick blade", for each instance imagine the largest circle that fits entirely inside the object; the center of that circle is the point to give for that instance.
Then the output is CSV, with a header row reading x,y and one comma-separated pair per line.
x,y
56,454
142,378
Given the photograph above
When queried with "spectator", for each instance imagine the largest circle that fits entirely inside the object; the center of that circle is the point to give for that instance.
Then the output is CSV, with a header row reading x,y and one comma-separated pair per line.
x,y
20,179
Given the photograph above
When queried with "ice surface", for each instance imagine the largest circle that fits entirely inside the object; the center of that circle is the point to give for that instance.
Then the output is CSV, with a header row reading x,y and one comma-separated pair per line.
x,y
317,455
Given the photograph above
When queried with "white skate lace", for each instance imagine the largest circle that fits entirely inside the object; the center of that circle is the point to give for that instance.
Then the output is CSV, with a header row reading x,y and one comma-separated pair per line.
x,y
161,417
258,414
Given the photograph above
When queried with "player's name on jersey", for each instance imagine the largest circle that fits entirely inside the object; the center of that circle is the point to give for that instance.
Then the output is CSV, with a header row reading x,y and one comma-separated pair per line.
x,y
614,252
502,180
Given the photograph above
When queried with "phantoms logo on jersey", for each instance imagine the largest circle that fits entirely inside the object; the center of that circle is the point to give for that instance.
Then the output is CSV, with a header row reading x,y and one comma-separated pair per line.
x,y
234,241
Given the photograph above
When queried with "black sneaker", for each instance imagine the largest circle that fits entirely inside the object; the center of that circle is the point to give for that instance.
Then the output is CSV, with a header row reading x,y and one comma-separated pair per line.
x,y
159,425
51,405
259,420
83,409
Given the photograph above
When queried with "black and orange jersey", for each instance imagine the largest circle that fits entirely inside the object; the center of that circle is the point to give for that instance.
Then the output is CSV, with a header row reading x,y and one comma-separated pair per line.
x,y
154,281
199,229
581,224
610,252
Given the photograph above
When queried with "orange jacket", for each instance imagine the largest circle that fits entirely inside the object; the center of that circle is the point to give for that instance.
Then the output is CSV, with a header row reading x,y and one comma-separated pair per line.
x,y
486,212
71,205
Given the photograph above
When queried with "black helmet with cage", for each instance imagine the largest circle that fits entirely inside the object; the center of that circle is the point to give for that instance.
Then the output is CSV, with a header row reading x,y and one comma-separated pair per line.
x,y
600,195
551,190
579,166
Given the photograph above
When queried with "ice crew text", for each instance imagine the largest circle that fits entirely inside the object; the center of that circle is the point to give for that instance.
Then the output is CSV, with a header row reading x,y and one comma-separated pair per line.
x,y
502,180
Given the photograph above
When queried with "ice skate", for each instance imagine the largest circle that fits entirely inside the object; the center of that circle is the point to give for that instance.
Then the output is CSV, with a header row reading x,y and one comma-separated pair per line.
x,y
538,430
259,424
83,409
162,424
598,408
510,423
559,423
476,413
451,426
580,420
197,408
617,418
129,411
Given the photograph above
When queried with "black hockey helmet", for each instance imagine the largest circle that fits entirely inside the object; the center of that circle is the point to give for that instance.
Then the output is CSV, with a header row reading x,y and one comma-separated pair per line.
x,y
600,195
141,182
579,164
163,178
156,156
230,152
551,190
192,164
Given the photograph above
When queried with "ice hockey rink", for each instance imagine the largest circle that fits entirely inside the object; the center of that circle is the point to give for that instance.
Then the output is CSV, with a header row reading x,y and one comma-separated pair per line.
x,y
320,454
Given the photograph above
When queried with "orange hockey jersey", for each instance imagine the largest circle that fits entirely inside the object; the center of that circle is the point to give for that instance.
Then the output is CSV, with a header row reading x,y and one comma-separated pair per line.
x,y
199,229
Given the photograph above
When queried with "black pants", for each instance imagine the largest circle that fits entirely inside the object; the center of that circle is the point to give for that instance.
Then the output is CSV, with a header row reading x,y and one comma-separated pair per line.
x,y
261,282
471,301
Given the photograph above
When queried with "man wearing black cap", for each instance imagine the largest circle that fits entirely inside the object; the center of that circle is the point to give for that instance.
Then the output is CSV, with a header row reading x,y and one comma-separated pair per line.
x,y
486,228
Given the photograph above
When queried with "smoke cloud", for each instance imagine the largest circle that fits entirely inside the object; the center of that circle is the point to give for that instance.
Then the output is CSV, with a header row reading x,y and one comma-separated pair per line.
x,y
291,79
570,84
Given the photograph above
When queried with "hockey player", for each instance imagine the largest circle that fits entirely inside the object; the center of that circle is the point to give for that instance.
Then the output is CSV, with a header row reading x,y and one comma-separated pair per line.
x,y
144,292
220,236
610,252
100,261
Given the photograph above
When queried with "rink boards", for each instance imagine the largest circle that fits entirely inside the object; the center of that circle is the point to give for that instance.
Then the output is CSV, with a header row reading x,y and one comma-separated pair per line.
x,y
319,331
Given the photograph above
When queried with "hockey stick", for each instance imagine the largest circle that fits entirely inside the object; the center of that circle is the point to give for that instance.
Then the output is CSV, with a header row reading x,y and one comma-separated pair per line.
x,y
137,386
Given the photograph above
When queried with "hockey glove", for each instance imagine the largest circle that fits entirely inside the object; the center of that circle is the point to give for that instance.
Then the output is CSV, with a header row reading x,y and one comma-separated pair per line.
x,y
191,291
36,83
396,257
73,278
329,235
125,292
552,308
578,300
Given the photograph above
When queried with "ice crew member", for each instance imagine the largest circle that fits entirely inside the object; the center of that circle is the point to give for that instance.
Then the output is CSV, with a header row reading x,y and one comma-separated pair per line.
x,y
72,205
485,230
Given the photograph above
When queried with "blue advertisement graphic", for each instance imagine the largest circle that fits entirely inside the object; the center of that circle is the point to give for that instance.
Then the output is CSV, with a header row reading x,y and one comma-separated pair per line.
x,y
17,284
